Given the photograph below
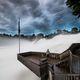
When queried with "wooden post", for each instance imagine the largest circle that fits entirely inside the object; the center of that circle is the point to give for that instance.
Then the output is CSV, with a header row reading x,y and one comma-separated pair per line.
x,y
70,61
78,65
44,72
70,64
51,69
53,72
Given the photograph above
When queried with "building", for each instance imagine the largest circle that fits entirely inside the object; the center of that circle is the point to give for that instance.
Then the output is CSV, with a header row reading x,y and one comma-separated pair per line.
x,y
64,66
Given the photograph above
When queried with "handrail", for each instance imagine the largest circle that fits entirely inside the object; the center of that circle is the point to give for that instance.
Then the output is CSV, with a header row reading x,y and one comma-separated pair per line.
x,y
68,74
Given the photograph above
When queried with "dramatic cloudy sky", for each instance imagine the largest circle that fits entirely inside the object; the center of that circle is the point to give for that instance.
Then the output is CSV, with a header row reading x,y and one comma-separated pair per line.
x,y
36,16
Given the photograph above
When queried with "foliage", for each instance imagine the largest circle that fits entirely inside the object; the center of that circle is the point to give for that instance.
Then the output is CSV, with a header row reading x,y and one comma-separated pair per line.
x,y
75,6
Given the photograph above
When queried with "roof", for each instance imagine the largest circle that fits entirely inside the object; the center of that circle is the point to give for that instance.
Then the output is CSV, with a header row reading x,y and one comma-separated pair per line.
x,y
75,47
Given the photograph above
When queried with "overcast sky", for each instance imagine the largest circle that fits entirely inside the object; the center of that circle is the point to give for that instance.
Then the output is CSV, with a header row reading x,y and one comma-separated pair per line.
x,y
37,16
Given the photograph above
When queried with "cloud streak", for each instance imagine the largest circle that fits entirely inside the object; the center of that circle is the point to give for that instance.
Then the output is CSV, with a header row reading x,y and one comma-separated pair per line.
x,y
36,16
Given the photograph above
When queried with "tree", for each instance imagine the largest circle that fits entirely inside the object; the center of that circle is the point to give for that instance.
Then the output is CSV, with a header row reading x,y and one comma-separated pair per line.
x,y
40,35
75,6
74,30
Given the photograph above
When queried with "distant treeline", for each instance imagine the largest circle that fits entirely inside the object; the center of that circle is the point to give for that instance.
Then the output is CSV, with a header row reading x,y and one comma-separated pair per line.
x,y
74,30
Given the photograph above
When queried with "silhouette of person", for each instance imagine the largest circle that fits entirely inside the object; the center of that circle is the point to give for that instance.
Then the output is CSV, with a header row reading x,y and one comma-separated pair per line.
x,y
47,52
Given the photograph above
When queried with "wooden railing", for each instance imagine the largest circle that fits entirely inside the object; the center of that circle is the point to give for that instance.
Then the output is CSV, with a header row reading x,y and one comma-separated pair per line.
x,y
66,77
76,64
58,76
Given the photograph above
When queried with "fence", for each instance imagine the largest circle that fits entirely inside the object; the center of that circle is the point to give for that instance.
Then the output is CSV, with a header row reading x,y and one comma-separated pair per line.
x,y
66,77
61,76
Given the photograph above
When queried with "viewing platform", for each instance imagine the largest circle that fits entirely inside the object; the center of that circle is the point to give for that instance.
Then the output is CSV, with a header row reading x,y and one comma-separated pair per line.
x,y
64,66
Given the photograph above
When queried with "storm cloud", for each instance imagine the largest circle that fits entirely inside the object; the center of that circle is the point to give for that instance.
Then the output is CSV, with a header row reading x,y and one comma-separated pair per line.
x,y
36,16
